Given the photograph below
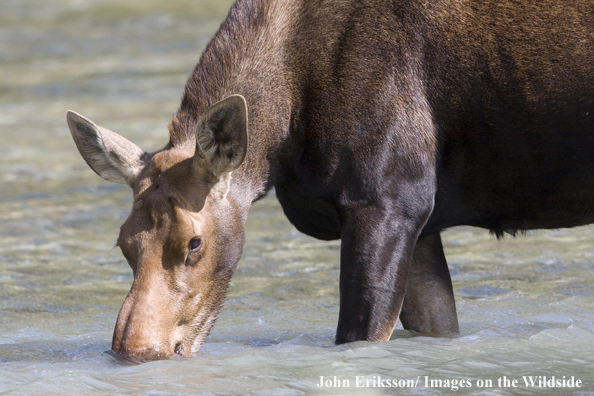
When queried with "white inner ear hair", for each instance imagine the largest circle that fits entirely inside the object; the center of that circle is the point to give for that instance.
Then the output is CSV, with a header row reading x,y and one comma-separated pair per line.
x,y
221,188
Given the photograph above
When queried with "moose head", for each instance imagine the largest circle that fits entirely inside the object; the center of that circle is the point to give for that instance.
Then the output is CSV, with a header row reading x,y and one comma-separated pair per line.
x,y
184,235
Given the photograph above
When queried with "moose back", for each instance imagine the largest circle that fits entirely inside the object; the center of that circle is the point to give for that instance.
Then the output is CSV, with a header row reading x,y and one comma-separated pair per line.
x,y
379,123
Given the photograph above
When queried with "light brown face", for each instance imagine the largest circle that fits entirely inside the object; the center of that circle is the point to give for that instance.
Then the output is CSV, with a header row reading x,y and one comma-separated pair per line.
x,y
182,256
185,232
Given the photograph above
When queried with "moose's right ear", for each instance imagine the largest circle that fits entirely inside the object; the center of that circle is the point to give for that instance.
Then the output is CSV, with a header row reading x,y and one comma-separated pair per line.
x,y
110,155
221,135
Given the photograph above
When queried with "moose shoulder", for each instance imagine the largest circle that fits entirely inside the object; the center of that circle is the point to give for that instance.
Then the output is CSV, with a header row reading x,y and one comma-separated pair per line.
x,y
379,123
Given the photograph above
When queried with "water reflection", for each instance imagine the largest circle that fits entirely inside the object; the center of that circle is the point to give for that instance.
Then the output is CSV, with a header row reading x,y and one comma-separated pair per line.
x,y
525,304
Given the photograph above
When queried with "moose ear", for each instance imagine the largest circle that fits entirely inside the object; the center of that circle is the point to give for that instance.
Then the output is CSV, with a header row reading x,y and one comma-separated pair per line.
x,y
221,135
110,155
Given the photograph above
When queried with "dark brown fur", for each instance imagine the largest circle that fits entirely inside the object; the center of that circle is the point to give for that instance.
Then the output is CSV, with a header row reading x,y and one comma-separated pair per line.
x,y
378,122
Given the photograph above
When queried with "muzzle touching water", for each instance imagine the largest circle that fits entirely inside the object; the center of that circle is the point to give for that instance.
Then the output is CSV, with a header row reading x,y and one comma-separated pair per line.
x,y
144,331
155,324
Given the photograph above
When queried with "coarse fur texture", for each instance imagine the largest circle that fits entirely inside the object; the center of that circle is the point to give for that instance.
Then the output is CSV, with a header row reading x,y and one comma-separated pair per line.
x,y
379,123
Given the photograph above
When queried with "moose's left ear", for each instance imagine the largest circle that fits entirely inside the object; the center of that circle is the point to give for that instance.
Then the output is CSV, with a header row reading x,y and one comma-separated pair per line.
x,y
221,135
110,155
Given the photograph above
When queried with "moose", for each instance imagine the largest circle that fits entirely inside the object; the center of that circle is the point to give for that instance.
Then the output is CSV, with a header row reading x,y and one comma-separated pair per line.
x,y
379,123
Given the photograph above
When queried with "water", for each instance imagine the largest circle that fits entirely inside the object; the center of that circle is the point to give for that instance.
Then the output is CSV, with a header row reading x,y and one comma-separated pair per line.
x,y
526,305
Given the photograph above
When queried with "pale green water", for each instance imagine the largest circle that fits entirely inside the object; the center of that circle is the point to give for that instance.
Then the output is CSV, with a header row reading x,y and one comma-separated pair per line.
x,y
526,305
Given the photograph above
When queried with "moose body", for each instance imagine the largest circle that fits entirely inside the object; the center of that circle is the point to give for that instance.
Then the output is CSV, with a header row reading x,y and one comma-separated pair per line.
x,y
379,123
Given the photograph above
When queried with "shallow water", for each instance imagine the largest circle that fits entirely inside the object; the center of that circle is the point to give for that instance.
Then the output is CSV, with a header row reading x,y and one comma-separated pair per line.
x,y
526,305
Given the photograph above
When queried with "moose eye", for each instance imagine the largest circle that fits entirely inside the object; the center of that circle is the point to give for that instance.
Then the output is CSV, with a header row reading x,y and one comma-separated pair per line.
x,y
195,244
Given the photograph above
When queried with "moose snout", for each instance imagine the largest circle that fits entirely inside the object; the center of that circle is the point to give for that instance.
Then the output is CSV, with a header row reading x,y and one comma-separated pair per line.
x,y
141,347
144,334
139,355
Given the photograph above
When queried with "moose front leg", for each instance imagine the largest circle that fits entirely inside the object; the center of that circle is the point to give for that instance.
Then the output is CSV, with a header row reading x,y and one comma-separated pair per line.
x,y
376,251
429,306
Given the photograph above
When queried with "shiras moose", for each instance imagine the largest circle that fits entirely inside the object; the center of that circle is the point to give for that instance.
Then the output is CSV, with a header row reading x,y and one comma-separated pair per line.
x,y
379,123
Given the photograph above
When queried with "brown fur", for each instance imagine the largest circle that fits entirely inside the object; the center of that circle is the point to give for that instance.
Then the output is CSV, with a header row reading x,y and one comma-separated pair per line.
x,y
378,122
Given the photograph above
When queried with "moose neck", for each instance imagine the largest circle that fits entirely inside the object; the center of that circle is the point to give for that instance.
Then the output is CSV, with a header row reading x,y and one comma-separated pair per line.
x,y
246,57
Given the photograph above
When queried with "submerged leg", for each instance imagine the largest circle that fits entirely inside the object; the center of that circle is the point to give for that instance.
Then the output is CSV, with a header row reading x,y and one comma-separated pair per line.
x,y
429,305
376,251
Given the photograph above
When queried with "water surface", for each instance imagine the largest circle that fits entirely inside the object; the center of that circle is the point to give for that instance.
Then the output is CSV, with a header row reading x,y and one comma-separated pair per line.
x,y
526,305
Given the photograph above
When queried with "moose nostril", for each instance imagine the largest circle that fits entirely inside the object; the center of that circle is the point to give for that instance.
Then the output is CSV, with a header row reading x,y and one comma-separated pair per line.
x,y
179,348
